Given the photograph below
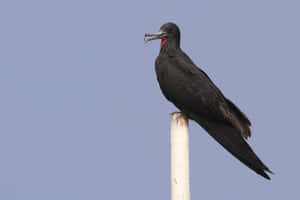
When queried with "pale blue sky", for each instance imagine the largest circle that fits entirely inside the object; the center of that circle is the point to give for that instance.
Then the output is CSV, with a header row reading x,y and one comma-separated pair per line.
x,y
82,116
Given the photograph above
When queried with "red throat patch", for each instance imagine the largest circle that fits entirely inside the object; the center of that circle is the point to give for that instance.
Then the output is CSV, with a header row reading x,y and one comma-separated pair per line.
x,y
163,41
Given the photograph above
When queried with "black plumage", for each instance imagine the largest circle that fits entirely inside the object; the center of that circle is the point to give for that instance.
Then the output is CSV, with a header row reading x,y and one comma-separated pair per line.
x,y
192,91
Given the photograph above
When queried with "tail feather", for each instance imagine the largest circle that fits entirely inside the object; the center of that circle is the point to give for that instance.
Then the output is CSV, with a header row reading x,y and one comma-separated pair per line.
x,y
232,141
243,121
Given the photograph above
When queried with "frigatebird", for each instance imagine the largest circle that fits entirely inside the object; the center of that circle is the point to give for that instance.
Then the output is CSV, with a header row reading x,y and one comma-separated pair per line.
x,y
191,90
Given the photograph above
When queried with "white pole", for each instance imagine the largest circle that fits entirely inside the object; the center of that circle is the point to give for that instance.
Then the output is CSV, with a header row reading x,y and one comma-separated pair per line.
x,y
180,176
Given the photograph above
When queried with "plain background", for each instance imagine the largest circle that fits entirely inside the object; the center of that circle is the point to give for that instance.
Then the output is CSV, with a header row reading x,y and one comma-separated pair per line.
x,y
82,116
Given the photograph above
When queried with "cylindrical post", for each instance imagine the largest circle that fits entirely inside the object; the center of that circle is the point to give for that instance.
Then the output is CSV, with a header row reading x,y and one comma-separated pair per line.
x,y
180,175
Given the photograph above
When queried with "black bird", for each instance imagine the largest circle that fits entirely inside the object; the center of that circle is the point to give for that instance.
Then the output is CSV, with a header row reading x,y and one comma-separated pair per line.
x,y
192,91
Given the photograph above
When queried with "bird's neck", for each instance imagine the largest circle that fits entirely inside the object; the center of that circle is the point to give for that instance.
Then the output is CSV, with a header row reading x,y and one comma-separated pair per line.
x,y
168,46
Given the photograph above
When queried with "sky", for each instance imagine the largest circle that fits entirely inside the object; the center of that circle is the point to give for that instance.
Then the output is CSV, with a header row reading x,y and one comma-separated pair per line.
x,y
82,115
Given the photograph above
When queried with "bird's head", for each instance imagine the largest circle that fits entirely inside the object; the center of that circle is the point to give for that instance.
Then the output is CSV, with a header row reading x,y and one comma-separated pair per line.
x,y
169,34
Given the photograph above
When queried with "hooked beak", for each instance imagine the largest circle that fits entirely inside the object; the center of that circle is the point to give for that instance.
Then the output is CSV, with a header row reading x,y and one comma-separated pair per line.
x,y
154,36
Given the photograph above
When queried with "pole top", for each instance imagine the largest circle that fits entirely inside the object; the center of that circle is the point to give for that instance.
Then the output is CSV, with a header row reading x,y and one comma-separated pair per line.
x,y
180,118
